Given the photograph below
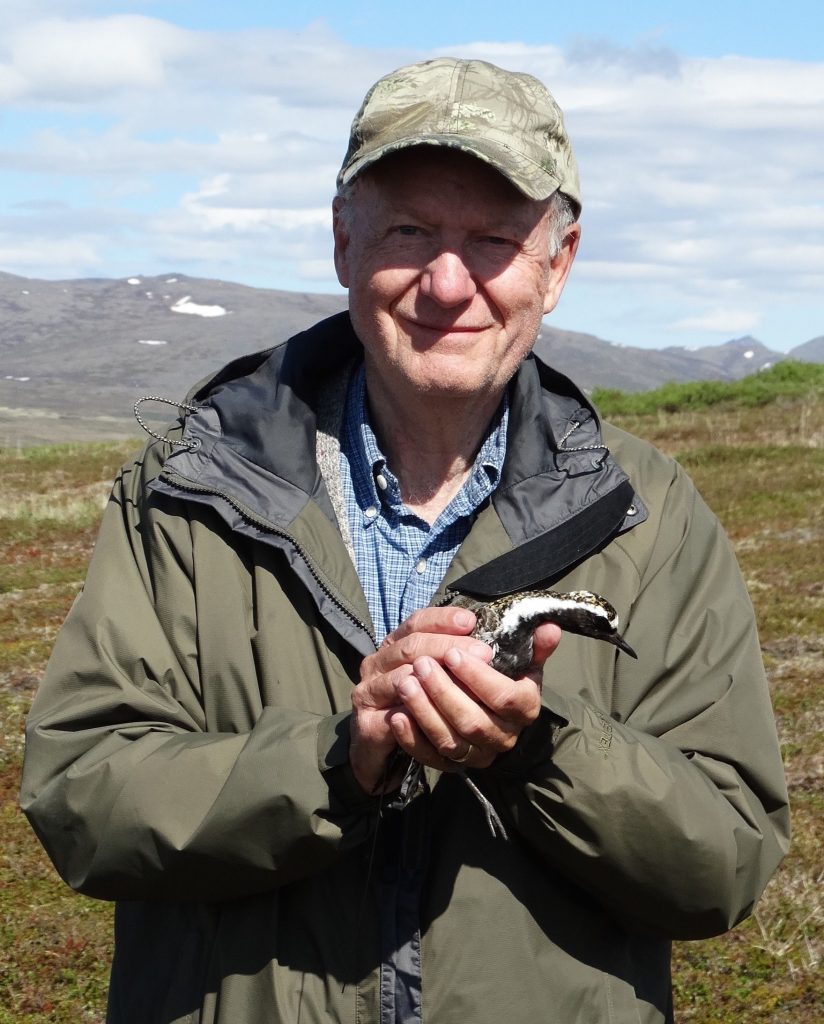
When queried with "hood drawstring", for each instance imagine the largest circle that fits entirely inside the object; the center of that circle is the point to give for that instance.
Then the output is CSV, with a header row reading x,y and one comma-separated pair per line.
x,y
562,445
192,445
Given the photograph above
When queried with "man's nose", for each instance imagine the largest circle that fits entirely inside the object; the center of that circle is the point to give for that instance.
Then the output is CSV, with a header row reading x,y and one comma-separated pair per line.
x,y
448,280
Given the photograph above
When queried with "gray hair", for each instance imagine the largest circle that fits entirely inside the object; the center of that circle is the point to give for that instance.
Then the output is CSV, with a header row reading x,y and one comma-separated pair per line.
x,y
561,218
561,213
344,202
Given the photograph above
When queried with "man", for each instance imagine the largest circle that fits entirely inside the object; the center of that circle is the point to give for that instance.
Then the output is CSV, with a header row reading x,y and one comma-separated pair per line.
x,y
266,625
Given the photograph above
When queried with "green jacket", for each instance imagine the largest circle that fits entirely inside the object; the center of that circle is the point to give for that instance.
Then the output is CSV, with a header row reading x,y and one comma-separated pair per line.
x,y
187,751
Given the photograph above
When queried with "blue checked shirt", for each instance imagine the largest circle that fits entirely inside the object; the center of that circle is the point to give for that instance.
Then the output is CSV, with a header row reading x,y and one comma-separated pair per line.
x,y
401,559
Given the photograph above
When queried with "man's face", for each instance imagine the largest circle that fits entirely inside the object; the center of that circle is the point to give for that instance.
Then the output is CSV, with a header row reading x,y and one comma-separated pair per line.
x,y
449,273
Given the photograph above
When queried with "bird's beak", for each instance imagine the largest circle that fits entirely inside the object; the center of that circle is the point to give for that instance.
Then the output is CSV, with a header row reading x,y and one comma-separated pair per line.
x,y
621,643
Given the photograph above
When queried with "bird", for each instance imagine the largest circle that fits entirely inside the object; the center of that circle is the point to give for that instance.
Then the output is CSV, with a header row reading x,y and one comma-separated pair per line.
x,y
507,624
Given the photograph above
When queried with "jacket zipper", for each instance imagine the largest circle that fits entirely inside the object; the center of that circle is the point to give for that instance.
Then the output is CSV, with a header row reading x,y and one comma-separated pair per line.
x,y
256,520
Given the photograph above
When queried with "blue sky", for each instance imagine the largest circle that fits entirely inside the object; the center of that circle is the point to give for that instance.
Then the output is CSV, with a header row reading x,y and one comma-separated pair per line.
x,y
204,138
755,28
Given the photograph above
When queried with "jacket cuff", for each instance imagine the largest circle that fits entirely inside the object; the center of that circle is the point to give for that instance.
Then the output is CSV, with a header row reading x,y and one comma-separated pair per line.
x,y
536,741
333,763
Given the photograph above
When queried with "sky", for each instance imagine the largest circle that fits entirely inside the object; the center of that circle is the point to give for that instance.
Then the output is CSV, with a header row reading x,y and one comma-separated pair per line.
x,y
143,138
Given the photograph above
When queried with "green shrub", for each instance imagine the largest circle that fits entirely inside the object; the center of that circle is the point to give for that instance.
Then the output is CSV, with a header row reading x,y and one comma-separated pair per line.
x,y
786,380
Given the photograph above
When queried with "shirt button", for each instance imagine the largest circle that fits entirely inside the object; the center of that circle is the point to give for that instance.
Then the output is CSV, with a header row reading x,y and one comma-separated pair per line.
x,y
370,512
420,567
381,481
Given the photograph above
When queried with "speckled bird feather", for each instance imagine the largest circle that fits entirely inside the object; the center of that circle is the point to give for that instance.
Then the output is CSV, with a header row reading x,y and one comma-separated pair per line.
x,y
508,623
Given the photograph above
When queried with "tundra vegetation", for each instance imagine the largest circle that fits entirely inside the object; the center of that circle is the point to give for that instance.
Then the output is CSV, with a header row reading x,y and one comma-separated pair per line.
x,y
756,450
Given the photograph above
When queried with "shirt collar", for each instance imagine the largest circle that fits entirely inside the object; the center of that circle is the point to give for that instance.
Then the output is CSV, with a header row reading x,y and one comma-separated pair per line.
x,y
374,482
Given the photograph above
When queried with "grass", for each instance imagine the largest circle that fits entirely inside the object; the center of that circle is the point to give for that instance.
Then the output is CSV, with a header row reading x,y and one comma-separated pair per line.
x,y
54,945
760,466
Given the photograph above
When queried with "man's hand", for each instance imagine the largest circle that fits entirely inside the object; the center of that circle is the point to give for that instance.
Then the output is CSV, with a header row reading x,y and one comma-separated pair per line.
x,y
430,690
430,632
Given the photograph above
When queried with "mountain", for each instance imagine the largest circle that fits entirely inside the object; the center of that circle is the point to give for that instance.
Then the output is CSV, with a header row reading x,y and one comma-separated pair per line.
x,y
75,355
811,351
592,362
106,342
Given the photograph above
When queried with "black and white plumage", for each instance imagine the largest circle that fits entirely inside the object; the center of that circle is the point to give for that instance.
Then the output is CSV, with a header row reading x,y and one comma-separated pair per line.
x,y
507,624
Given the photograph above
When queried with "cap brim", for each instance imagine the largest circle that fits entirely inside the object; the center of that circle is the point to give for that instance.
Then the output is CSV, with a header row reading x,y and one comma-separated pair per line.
x,y
533,181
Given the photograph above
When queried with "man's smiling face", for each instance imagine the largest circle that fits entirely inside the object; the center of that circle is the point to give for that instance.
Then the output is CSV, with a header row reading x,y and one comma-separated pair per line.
x,y
449,272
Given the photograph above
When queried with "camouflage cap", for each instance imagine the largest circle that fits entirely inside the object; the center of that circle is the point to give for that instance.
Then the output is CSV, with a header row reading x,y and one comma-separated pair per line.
x,y
506,118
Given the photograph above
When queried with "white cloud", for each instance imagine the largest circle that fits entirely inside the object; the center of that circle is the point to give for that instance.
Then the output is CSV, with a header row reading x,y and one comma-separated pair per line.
x,y
84,59
216,153
626,270
12,83
222,202
48,257
720,321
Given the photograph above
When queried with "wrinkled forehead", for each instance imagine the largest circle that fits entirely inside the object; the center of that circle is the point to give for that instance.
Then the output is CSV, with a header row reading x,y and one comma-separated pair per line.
x,y
423,170
443,188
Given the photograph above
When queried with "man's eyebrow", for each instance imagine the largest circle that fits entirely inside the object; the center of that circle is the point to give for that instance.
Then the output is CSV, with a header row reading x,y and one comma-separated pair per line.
x,y
485,225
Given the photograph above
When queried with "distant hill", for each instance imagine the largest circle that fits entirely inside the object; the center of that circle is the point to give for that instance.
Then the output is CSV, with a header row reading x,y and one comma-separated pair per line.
x,y
74,355
811,351
592,362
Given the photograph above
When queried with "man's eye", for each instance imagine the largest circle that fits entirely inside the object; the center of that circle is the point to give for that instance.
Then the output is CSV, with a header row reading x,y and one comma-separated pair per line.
x,y
407,229
497,240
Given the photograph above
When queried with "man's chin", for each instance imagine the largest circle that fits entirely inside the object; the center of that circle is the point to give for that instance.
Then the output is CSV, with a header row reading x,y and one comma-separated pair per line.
x,y
454,387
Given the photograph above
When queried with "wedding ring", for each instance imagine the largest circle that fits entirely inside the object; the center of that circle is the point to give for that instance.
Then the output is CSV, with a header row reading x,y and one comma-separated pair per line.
x,y
464,758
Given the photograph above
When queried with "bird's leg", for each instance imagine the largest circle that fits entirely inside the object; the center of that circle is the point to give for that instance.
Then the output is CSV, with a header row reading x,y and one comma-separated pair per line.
x,y
414,784
496,826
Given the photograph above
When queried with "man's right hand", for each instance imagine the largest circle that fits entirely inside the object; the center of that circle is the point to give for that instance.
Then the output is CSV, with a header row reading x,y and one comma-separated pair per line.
x,y
430,632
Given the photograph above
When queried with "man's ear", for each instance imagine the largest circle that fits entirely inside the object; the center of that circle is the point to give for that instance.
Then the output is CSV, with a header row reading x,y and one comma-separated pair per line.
x,y
560,266
341,236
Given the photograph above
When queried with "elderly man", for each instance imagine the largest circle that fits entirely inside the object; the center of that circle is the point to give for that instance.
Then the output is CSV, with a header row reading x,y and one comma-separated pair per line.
x,y
266,642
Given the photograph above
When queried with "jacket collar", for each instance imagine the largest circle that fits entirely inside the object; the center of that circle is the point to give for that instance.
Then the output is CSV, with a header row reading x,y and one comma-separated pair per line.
x,y
561,496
